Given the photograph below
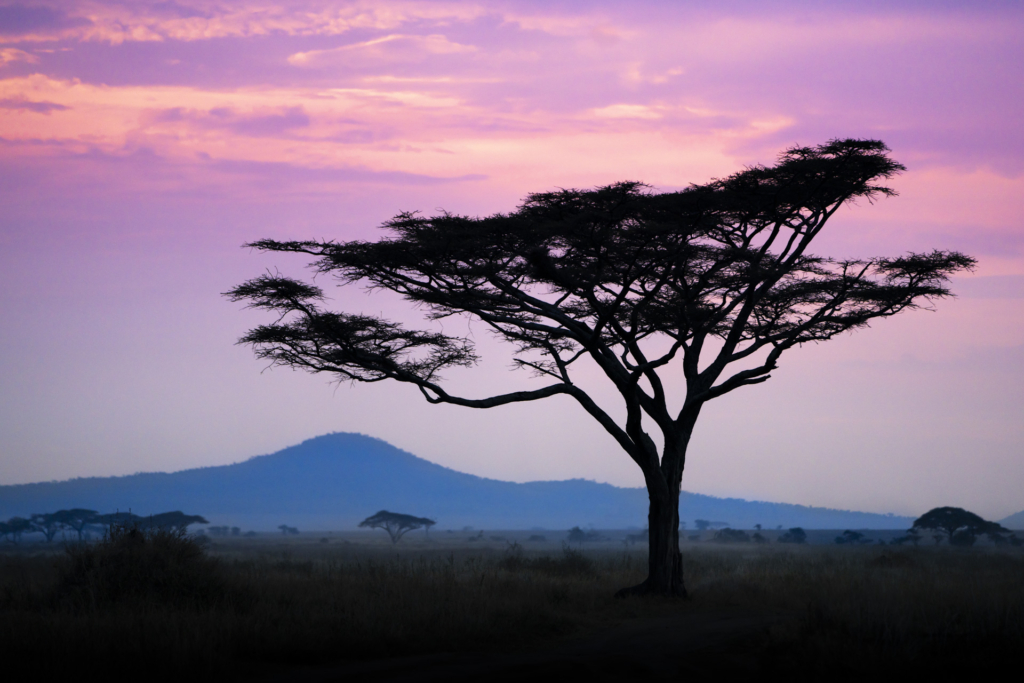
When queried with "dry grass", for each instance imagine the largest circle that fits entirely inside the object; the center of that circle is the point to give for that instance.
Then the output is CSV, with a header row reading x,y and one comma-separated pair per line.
x,y
262,606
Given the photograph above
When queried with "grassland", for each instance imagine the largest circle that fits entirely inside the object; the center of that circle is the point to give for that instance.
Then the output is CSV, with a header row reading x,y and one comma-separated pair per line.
x,y
354,607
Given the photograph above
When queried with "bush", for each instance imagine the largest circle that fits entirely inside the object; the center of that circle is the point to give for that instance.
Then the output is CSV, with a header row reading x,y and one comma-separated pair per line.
x,y
132,565
728,535
794,535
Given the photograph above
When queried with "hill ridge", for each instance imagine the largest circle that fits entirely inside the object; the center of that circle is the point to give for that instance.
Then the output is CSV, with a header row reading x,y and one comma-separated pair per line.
x,y
334,480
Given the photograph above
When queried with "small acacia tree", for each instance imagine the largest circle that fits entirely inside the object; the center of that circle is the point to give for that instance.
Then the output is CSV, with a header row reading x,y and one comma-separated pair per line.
x,y
48,524
396,524
716,281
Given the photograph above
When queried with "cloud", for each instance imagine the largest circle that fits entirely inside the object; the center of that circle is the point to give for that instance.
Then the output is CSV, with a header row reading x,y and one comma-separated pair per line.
x,y
37,107
116,21
285,172
13,54
386,50
265,123
626,111
22,20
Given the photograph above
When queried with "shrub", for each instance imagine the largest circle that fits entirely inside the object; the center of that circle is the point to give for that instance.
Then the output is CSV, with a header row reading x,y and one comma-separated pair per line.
x,y
794,535
728,535
132,565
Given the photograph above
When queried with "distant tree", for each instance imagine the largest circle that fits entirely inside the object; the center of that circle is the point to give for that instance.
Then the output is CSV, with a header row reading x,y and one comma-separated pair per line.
x,y
123,519
713,284
171,520
235,531
641,537
951,520
794,535
285,529
16,526
48,524
219,530
851,537
757,527
578,535
758,538
76,519
701,524
397,524
728,535
998,539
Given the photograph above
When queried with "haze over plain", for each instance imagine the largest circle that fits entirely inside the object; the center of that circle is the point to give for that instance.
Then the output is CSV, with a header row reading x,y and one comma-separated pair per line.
x,y
142,144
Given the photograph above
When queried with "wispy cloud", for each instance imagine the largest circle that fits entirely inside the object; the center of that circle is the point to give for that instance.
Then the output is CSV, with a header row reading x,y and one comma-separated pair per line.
x,y
627,111
381,51
117,22
13,54
37,107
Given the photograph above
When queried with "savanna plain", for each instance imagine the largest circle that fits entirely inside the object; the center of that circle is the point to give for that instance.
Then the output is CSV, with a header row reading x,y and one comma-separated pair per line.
x,y
157,605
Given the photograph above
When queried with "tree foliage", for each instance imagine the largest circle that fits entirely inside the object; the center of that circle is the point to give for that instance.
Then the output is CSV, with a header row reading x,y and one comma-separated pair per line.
x,y
396,524
960,526
794,535
716,280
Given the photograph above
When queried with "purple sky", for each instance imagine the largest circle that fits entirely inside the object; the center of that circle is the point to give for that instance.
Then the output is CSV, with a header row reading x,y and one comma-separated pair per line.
x,y
142,142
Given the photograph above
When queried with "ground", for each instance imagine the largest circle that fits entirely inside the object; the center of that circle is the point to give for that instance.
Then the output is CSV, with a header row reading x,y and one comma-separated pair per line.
x,y
351,606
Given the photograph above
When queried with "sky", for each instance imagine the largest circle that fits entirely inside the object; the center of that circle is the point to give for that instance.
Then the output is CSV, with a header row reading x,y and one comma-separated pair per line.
x,y
143,143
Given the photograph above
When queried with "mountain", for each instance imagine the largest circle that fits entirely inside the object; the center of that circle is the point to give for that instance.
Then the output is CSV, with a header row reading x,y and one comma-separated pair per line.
x,y
336,480
1014,521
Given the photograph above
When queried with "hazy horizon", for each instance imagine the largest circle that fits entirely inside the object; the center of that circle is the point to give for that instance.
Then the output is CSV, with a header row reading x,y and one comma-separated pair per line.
x,y
142,144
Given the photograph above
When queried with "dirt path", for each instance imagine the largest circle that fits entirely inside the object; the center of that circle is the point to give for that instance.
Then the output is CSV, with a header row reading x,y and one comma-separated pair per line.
x,y
651,648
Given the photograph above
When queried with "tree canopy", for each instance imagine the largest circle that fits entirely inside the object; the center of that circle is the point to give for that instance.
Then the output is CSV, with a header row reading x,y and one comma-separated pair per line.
x,y
396,523
716,280
953,520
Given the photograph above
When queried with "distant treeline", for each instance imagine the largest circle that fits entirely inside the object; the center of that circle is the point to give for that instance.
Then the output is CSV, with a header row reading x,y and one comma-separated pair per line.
x,y
81,521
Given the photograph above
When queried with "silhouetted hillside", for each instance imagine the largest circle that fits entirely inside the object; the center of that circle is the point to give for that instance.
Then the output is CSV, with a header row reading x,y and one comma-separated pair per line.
x,y
334,481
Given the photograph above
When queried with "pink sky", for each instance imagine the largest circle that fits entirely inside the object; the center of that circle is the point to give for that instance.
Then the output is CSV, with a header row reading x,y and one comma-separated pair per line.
x,y
142,142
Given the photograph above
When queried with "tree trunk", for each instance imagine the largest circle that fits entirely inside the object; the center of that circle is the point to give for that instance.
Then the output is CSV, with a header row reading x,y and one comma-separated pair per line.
x,y
665,561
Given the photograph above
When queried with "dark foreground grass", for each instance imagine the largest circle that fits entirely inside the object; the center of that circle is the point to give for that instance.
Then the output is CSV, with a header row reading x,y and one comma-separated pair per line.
x,y
155,606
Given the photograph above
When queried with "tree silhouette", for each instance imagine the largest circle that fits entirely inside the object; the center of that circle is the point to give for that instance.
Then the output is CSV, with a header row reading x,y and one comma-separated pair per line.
x,y
48,524
396,524
15,527
715,281
794,535
77,519
952,521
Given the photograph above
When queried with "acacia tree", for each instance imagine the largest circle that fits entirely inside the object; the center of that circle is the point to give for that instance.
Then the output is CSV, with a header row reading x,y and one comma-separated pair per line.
x,y
396,523
47,524
955,521
715,280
